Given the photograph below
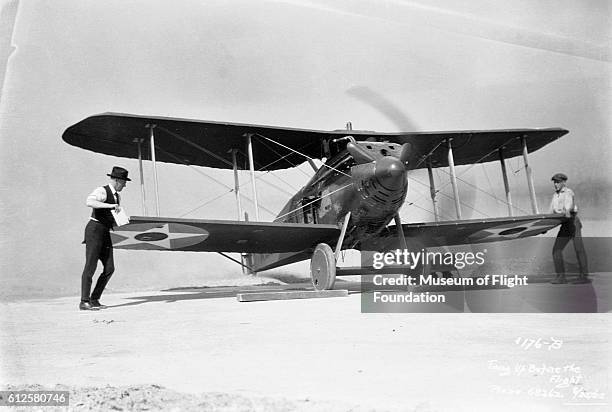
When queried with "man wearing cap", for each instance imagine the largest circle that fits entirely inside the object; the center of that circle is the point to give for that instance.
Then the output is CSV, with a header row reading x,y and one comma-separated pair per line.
x,y
563,202
98,245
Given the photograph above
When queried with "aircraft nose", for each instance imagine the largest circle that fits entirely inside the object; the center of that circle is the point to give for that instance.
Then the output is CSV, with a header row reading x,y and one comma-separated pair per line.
x,y
390,172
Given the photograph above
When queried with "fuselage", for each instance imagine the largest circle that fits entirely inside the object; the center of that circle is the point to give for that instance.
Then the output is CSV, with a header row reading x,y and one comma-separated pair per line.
x,y
372,191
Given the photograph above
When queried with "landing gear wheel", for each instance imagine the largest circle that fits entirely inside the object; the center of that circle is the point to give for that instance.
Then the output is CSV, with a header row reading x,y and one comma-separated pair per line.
x,y
323,267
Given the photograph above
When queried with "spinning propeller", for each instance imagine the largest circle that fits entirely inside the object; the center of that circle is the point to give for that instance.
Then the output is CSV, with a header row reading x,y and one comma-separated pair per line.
x,y
403,123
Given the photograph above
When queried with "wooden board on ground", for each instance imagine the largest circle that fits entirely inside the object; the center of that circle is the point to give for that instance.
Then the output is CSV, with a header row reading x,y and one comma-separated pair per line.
x,y
291,294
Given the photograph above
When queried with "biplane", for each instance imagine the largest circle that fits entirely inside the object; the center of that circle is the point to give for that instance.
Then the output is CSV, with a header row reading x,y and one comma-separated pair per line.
x,y
350,202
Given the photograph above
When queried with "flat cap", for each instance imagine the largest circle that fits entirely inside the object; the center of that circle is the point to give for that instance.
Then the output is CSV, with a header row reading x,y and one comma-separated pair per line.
x,y
559,177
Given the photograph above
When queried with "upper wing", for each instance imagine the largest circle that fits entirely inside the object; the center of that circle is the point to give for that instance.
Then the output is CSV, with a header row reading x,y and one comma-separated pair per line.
x,y
471,147
462,232
194,142
204,143
196,235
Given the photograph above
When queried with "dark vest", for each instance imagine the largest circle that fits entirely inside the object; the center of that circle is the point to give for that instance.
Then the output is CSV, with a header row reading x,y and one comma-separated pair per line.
x,y
105,216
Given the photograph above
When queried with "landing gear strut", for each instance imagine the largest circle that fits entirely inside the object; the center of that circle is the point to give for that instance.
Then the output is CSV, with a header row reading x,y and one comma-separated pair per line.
x,y
323,267
323,261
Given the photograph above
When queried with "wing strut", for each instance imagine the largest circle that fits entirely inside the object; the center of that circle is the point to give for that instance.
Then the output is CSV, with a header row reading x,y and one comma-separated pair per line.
x,y
252,167
152,138
451,165
245,268
142,187
432,190
237,192
534,203
237,184
502,162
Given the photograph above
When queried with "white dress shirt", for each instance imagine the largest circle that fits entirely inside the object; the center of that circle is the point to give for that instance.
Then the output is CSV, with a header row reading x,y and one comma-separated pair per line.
x,y
99,194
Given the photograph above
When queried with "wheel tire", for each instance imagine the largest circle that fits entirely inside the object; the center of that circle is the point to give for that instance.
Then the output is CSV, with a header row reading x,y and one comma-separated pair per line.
x,y
323,267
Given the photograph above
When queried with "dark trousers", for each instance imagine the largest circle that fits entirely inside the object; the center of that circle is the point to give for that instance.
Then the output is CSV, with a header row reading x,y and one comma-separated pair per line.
x,y
571,230
98,246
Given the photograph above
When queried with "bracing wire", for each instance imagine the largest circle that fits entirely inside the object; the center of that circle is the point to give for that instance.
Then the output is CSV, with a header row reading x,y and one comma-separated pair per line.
x,y
281,157
301,154
425,209
421,196
505,202
484,169
177,136
213,179
443,194
469,184
315,200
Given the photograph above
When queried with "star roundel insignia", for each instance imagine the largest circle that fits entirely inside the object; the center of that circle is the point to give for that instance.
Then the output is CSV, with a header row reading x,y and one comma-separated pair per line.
x,y
155,236
509,231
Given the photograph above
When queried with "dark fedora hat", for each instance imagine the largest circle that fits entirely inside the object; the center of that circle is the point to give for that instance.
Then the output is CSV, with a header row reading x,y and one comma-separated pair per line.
x,y
119,173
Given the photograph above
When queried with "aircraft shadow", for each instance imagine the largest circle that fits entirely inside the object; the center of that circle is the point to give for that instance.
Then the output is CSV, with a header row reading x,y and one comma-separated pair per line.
x,y
218,292
292,283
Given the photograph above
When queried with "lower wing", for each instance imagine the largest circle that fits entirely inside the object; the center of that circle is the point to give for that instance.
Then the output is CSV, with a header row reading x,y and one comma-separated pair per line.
x,y
461,232
196,235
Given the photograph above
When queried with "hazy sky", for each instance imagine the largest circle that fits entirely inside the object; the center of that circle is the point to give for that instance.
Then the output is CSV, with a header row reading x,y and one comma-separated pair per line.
x,y
438,64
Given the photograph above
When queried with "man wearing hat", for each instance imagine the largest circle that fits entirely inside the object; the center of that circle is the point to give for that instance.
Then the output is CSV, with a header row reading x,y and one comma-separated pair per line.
x,y
98,245
563,202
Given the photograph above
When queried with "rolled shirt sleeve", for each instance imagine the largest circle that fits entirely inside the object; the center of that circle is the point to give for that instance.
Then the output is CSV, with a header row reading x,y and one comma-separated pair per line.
x,y
568,202
98,194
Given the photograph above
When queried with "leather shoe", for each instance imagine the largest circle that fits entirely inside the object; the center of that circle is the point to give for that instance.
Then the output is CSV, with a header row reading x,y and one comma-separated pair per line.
x,y
87,306
559,281
96,304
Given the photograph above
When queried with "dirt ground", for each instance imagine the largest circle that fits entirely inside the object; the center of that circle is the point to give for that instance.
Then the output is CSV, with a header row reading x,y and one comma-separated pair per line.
x,y
201,349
